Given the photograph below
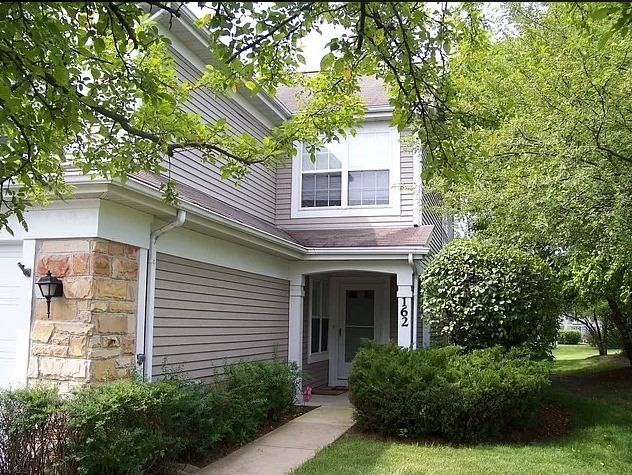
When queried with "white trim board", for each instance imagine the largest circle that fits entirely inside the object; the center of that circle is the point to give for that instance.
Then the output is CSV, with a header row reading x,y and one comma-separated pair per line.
x,y
191,245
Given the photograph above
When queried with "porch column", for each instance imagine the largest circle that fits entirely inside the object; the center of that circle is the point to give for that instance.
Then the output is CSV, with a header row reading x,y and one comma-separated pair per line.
x,y
295,341
405,308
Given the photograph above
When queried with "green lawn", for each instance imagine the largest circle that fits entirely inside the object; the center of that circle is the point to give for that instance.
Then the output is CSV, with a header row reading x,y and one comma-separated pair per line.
x,y
600,443
584,358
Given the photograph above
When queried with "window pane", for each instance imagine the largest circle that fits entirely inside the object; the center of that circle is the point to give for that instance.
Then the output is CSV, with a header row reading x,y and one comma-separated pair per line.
x,y
325,302
322,160
324,334
315,335
337,152
355,188
370,151
307,193
368,187
353,336
335,189
334,162
321,189
316,298
307,163
382,179
360,308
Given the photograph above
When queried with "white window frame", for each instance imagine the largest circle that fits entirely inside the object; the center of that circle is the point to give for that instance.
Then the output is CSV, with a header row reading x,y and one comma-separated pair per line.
x,y
321,355
391,209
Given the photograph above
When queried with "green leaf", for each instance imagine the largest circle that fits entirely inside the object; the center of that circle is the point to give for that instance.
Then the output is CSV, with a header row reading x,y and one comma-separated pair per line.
x,y
327,61
99,45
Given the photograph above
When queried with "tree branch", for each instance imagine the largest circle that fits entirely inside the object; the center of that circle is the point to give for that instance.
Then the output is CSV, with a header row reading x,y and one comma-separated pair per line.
x,y
260,39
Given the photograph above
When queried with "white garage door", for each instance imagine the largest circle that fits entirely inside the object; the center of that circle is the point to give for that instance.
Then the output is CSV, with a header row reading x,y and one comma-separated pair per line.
x,y
10,285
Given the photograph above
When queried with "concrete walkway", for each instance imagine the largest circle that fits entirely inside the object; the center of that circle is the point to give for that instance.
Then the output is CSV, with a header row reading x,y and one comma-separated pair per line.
x,y
284,449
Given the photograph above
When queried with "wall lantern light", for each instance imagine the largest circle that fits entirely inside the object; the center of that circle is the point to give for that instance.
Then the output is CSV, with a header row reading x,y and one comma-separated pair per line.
x,y
50,287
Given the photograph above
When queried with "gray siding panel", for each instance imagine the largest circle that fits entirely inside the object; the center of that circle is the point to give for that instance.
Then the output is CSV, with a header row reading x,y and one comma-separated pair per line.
x,y
207,317
405,217
429,202
256,193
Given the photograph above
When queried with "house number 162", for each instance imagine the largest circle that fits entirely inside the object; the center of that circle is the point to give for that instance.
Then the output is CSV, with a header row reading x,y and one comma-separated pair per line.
x,y
403,312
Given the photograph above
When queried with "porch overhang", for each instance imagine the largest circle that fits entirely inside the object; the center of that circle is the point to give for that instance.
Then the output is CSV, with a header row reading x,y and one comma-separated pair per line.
x,y
366,253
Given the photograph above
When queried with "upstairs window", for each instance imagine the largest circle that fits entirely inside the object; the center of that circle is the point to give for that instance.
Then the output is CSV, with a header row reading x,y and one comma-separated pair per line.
x,y
355,172
321,183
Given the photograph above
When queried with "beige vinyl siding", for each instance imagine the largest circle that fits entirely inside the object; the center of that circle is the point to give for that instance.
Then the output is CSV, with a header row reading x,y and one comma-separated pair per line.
x,y
316,374
405,217
207,317
256,193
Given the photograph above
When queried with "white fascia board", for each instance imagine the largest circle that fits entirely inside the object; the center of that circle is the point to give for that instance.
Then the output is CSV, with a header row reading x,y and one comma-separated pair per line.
x,y
368,253
379,112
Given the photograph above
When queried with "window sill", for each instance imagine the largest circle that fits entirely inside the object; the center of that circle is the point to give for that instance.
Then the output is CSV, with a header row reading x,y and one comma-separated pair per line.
x,y
333,211
317,357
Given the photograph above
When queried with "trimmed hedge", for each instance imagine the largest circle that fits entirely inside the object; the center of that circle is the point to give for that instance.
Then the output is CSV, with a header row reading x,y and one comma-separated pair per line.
x,y
441,391
569,337
480,294
133,426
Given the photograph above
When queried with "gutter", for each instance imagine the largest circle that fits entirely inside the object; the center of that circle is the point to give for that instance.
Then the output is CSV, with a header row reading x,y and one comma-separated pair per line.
x,y
412,264
150,293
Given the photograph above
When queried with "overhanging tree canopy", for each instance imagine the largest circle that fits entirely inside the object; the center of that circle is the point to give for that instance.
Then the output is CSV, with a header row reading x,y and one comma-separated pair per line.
x,y
550,146
92,84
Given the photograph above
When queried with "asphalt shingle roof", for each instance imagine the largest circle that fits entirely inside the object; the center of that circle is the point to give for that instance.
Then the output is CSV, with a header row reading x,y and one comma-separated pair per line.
x,y
372,91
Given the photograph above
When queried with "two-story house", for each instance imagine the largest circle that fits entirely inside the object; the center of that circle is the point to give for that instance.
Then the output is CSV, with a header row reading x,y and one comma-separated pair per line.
x,y
298,263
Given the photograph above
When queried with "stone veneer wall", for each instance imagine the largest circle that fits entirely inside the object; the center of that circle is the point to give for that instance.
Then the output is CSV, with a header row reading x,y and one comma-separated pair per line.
x,y
90,335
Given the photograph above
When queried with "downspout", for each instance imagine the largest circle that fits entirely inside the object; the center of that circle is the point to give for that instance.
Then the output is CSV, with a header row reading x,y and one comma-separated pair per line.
x,y
415,304
151,289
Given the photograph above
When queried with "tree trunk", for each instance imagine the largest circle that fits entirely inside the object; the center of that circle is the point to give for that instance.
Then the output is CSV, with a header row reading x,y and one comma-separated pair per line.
x,y
620,321
597,331
602,336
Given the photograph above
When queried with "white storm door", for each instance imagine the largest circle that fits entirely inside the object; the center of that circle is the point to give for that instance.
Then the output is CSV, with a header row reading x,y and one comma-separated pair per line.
x,y
359,306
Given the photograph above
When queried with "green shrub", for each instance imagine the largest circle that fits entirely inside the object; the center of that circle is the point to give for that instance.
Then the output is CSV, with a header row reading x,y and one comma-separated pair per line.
x,y
125,426
133,426
442,391
34,433
569,337
259,391
481,295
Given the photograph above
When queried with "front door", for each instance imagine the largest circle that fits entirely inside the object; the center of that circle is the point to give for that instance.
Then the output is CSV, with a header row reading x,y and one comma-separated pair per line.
x,y
359,306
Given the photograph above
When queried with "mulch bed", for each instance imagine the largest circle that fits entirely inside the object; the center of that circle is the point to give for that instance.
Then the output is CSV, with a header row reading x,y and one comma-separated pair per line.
x,y
225,448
